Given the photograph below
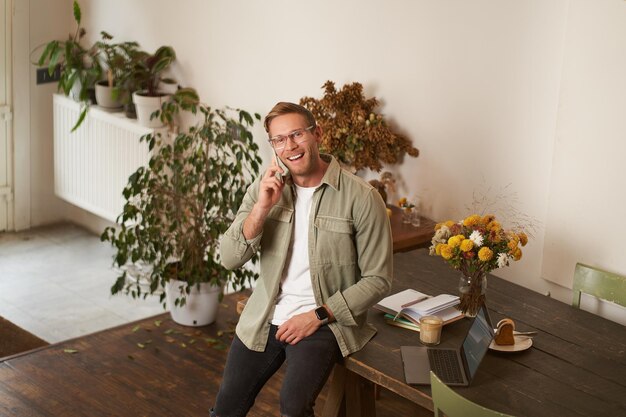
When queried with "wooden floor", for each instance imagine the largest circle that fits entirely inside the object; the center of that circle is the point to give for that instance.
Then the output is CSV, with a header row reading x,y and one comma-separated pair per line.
x,y
150,368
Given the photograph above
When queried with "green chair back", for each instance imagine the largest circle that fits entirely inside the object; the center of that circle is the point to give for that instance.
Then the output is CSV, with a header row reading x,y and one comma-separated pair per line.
x,y
599,283
453,405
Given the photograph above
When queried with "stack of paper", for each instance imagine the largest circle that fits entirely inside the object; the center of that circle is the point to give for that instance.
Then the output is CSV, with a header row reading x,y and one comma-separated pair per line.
x,y
443,306
433,305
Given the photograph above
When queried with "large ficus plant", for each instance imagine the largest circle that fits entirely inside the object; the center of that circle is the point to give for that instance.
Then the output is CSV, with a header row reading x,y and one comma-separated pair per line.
x,y
179,205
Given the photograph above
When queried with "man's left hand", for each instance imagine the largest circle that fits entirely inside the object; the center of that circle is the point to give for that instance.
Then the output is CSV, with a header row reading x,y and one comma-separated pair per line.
x,y
298,327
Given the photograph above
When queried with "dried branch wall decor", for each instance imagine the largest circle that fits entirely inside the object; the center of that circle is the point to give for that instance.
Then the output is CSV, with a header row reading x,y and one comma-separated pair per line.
x,y
353,132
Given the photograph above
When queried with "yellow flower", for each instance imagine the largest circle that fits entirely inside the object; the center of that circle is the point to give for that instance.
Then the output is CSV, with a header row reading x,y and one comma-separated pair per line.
x,y
446,251
449,224
512,245
488,218
523,238
494,225
517,254
472,220
438,249
402,201
455,241
485,254
467,245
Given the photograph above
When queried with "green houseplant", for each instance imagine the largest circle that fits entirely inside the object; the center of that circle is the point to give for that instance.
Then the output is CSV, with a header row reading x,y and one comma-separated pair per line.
x,y
353,131
115,59
146,74
179,205
79,65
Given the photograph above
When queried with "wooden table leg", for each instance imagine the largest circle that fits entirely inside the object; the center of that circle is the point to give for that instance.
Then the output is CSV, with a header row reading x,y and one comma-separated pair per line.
x,y
335,399
360,399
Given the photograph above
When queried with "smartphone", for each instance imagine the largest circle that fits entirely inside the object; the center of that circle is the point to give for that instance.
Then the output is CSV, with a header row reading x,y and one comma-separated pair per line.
x,y
285,173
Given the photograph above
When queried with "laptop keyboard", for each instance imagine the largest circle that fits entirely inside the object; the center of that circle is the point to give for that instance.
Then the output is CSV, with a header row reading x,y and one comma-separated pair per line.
x,y
445,364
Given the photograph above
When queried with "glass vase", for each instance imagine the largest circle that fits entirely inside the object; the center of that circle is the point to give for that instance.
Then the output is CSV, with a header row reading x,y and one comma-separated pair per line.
x,y
407,214
472,293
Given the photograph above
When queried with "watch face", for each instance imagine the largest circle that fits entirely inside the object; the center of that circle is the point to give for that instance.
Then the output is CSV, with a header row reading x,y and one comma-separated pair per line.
x,y
321,313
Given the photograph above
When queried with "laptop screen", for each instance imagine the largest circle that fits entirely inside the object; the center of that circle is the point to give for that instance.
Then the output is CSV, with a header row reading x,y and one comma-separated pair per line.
x,y
477,341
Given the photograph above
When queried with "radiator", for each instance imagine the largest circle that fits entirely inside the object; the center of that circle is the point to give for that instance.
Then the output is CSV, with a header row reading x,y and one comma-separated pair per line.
x,y
92,164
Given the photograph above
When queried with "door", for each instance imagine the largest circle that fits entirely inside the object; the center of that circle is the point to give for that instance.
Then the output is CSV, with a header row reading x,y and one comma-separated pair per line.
x,y
6,156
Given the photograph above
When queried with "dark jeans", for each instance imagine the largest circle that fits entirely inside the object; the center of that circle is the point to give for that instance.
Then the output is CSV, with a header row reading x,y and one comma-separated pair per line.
x,y
309,363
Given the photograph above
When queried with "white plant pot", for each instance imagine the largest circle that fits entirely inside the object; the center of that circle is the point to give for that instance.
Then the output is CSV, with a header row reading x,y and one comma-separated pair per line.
x,y
200,307
146,105
168,88
104,96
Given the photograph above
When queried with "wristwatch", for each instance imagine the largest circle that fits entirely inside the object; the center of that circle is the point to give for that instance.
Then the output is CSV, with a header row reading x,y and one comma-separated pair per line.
x,y
322,315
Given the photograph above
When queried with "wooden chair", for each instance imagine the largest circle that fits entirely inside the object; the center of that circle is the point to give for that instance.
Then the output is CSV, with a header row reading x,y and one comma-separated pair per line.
x,y
599,283
446,401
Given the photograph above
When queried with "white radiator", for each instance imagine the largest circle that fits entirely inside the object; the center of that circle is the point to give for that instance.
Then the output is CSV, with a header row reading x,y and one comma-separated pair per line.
x,y
92,165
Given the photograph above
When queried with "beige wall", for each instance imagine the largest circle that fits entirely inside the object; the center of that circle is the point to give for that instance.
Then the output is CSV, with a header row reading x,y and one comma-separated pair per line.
x,y
477,85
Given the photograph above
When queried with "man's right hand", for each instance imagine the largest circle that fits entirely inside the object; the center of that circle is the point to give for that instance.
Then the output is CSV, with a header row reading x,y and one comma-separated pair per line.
x,y
270,190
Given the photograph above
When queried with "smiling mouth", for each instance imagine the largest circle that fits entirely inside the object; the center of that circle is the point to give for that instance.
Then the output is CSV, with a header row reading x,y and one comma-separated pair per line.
x,y
295,157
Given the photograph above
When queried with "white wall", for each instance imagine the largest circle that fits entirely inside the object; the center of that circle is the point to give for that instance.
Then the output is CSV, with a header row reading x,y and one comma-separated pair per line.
x,y
477,85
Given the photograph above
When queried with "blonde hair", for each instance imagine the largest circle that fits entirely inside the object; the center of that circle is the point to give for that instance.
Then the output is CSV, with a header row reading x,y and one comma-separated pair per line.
x,y
287,108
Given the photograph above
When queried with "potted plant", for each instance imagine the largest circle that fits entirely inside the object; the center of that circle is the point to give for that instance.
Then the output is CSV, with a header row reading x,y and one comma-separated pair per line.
x,y
146,75
353,132
115,59
79,67
179,205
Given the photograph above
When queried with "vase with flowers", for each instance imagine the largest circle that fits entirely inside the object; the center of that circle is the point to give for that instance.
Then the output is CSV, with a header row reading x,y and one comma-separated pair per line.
x,y
408,210
475,246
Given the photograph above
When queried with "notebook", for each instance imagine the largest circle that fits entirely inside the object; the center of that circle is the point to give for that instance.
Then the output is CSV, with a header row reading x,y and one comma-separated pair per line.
x,y
411,305
454,366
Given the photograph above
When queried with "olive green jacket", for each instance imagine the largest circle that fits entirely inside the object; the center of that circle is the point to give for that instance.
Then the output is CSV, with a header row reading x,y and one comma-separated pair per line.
x,y
350,256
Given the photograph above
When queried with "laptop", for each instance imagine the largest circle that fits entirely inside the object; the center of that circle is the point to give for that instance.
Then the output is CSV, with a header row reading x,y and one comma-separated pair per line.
x,y
454,366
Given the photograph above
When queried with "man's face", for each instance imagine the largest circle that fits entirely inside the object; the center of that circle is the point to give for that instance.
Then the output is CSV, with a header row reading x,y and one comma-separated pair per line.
x,y
302,159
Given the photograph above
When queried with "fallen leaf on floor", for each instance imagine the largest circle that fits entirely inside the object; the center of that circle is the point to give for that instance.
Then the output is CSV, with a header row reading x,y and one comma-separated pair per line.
x,y
220,333
220,347
141,345
136,328
157,323
70,350
169,331
131,357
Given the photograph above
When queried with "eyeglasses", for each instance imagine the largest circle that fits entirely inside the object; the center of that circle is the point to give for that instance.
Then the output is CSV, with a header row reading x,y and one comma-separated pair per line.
x,y
280,141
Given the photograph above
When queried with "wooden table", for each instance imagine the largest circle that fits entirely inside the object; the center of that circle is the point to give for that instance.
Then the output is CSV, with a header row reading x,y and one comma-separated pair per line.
x,y
576,366
407,237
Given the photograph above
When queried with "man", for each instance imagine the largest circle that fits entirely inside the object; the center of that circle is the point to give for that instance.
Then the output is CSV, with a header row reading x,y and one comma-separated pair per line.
x,y
326,257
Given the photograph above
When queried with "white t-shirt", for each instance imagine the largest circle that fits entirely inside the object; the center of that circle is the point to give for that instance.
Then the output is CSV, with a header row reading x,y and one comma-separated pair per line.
x,y
296,293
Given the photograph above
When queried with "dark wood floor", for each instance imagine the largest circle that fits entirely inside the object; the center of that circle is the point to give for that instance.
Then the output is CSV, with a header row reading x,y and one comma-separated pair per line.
x,y
150,368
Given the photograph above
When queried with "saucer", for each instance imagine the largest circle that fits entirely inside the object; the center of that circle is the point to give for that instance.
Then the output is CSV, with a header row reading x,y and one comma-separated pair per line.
x,y
521,343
